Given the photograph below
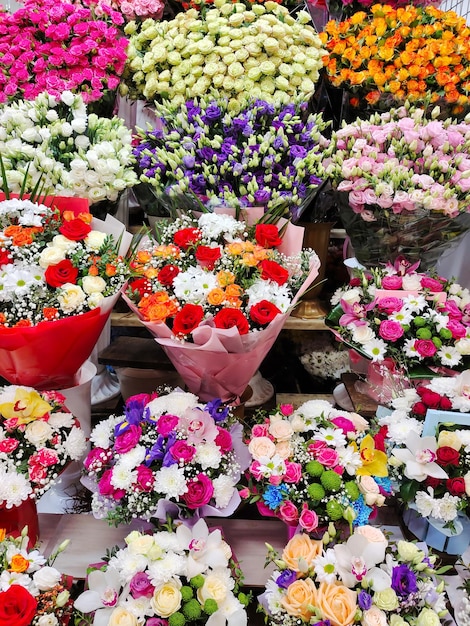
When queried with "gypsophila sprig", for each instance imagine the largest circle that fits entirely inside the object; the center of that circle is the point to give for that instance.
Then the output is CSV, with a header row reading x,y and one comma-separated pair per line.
x,y
365,580
176,576
38,438
264,155
166,454
315,465
32,591
234,51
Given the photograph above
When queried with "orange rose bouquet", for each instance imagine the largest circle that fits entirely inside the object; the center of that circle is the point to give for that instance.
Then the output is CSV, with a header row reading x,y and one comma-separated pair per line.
x,y
366,580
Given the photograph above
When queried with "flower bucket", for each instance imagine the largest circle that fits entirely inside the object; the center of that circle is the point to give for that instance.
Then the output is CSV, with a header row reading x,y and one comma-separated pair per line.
x,y
15,519
432,531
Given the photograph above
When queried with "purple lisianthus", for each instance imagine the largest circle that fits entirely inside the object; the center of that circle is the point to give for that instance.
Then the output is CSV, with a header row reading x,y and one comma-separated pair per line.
x,y
364,600
206,153
189,161
323,622
212,113
286,578
262,196
403,580
141,586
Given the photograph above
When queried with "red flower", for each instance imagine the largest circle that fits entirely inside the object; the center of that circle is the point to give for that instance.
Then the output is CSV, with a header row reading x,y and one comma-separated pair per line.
x,y
167,275
76,229
5,257
141,285
419,408
267,235
207,256
432,482
270,270
456,486
447,456
186,320
430,398
379,438
228,318
187,237
445,403
17,606
63,272
264,312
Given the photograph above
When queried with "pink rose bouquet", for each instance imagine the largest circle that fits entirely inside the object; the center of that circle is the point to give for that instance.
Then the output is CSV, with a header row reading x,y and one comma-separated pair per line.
x,y
167,455
138,10
316,465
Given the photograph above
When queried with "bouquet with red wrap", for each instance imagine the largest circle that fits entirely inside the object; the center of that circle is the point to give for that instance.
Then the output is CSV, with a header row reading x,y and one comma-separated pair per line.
x,y
215,292
61,271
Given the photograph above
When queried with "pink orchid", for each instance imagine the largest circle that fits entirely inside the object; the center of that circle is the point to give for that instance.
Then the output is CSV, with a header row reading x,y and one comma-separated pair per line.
x,y
355,313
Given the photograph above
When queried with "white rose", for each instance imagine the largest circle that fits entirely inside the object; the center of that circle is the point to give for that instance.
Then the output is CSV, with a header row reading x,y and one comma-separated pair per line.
x,y
95,299
214,588
95,239
67,98
71,297
463,346
362,334
46,578
47,620
411,282
64,243
51,256
38,432
351,296
93,284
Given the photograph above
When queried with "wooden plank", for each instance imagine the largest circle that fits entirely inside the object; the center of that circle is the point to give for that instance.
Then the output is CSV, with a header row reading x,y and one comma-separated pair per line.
x,y
137,352
362,403
300,398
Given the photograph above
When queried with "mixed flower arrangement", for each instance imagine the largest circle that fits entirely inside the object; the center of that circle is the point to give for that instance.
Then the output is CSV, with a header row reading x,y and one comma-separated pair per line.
x,y
168,454
230,50
262,156
316,465
32,591
70,152
54,46
38,438
416,319
365,580
171,577
403,178
388,55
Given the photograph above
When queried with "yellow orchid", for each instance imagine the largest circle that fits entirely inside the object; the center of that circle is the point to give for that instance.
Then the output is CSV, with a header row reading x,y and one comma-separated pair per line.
x,y
374,462
26,407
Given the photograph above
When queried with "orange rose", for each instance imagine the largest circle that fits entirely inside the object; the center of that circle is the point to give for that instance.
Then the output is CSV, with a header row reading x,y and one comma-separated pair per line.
x,y
225,278
216,296
18,564
299,597
300,552
337,603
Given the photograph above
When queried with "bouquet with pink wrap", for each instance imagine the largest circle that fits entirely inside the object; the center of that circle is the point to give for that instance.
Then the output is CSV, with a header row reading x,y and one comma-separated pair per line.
x,y
215,292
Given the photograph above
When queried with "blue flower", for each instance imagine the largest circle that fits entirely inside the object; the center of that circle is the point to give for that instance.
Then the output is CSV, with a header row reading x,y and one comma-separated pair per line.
x,y
274,495
362,511
217,410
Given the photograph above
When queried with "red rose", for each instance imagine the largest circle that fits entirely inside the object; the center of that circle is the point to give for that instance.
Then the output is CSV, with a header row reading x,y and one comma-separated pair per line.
x,y
167,275
445,403
264,312
456,486
433,482
186,320
355,282
267,235
207,256
379,438
5,257
447,456
270,270
76,229
419,408
228,318
430,398
17,606
187,237
141,286
63,272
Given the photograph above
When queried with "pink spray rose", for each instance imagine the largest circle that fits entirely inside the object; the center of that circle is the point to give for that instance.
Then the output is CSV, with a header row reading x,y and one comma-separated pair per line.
x,y
392,282
425,348
390,305
128,439
167,424
293,472
328,457
200,491
390,330
182,452
308,519
145,479
288,512
224,440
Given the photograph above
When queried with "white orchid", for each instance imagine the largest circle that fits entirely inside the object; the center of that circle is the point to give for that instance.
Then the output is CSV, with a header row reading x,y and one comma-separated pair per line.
x,y
101,596
419,457
206,550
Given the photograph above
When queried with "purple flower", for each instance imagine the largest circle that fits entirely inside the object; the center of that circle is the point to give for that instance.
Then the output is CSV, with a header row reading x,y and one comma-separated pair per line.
x,y
217,410
212,113
298,152
278,143
141,585
323,622
286,578
189,161
156,621
264,108
364,600
206,153
403,580
262,196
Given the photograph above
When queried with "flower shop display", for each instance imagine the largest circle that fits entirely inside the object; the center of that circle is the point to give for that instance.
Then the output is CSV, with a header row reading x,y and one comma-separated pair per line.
x,y
366,580
387,54
171,577
70,151
54,46
269,155
137,10
215,294
315,465
231,50
32,591
39,437
60,275
168,454
402,185
322,358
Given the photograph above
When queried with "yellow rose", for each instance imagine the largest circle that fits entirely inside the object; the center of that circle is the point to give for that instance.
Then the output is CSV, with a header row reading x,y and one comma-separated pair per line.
x,y
374,617
166,599
121,617
428,617
448,438
300,595
337,603
386,599
260,447
214,588
300,552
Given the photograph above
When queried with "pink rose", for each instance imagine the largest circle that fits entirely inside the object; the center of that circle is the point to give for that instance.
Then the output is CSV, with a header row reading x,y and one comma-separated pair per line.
x,y
96,458
433,284
425,348
339,469
286,409
166,424
392,282
390,330
107,489
275,479
128,440
293,472
145,479
200,491
182,452
390,305
224,440
244,493
288,512
308,519
260,430
328,457
255,470
316,447
457,329
452,310
141,585
8,445
344,424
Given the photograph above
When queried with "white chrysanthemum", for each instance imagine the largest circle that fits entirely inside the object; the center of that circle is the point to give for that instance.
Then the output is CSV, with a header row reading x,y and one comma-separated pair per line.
x,y
325,567
424,503
449,356
279,295
123,477
398,431
223,491
61,420
349,459
75,443
443,385
461,403
214,225
103,433
406,399
375,349
415,303
133,458
139,607
167,541
193,285
161,571
446,508
208,455
314,409
464,436
334,437
337,296
273,596
171,482
409,349
175,403
127,564
14,488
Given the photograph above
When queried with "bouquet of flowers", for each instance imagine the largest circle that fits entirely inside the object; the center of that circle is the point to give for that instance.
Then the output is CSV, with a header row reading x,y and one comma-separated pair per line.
x,y
268,155
229,50
416,320
55,143
215,293
390,54
50,46
60,275
168,454
174,576
366,580
32,591
402,185
316,465
38,438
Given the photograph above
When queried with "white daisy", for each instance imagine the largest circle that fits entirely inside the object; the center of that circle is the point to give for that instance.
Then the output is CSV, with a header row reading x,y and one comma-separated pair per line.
x,y
375,349
349,459
415,303
449,355
409,349
334,437
404,316
325,567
